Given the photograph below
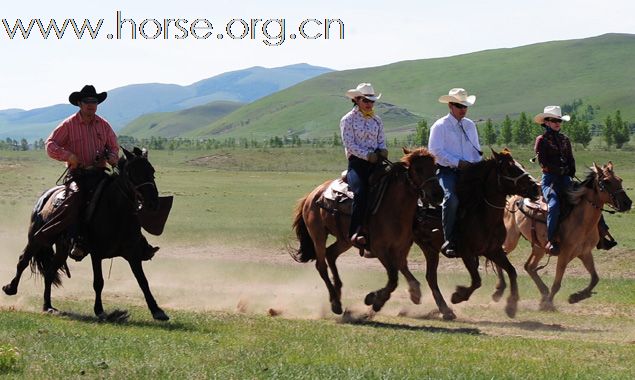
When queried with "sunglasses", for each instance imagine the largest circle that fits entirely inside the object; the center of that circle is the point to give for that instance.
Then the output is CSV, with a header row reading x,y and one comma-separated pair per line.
x,y
459,106
553,120
89,101
367,100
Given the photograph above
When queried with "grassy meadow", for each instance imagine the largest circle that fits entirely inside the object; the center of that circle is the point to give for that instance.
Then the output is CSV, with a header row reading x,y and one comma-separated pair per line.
x,y
241,308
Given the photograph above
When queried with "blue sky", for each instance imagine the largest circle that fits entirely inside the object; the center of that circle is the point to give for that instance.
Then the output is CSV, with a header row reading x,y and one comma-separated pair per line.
x,y
38,72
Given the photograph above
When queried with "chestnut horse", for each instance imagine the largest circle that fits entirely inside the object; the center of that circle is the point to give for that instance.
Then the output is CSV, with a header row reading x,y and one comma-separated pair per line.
x,y
578,232
389,229
114,230
482,190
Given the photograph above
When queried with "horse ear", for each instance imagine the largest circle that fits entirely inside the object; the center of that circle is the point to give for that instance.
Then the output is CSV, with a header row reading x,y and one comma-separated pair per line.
x,y
144,153
494,152
127,153
609,166
406,150
137,151
597,170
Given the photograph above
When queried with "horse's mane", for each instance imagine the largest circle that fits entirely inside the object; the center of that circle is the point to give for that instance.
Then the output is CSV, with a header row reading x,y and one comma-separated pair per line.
x,y
419,152
575,193
470,187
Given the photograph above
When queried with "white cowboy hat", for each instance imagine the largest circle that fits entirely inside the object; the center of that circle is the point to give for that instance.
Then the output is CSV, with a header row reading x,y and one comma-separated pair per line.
x,y
363,89
551,111
458,95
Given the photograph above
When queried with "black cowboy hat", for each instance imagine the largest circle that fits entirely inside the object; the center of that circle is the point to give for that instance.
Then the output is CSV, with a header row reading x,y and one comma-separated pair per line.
x,y
87,91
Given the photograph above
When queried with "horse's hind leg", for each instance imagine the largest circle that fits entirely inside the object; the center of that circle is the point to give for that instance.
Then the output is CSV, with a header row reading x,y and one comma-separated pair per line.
x,y
587,260
98,286
432,264
156,311
500,284
500,259
52,263
463,293
11,288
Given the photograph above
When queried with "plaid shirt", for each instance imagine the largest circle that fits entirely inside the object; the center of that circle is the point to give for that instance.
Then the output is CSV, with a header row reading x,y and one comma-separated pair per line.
x,y
87,141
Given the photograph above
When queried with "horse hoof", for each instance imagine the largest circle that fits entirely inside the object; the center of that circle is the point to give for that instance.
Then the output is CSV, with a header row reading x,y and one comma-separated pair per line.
x,y
460,295
50,310
370,298
510,310
497,296
10,290
160,316
577,297
449,315
547,306
377,307
336,308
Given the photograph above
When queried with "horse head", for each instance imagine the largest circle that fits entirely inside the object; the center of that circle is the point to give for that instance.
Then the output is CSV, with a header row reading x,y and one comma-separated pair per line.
x,y
137,171
513,178
609,187
422,174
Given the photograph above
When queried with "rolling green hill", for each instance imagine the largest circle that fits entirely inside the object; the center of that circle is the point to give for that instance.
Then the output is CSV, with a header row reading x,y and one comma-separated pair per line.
x,y
174,124
598,70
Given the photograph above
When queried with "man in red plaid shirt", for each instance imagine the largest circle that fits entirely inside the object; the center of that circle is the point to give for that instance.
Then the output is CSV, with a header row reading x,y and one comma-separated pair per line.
x,y
86,142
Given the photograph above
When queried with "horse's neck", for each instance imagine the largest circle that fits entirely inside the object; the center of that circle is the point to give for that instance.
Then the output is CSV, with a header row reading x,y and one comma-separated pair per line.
x,y
588,210
120,195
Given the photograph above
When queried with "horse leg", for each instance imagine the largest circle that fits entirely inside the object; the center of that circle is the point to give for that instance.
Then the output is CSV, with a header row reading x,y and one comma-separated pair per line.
x,y
414,286
587,260
379,297
98,286
500,259
531,266
137,269
500,285
11,288
557,282
432,264
463,293
332,253
55,262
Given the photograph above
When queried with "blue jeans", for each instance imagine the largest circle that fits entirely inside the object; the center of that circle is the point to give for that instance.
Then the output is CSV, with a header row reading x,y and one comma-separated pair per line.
x,y
357,177
447,179
553,185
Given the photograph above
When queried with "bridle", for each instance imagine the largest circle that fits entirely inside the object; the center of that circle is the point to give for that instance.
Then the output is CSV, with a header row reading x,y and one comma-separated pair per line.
x,y
612,195
513,180
137,198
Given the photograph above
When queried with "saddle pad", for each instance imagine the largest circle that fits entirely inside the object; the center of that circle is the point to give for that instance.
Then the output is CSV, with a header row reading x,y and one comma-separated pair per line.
x,y
336,190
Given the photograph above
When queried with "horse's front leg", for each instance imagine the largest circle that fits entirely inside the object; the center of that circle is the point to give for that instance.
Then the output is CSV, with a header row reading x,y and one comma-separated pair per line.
x,y
587,260
463,293
98,286
379,297
432,264
500,285
557,282
500,259
11,288
137,269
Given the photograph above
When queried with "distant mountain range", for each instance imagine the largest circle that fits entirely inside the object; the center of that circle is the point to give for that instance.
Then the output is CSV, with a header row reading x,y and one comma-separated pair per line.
x,y
129,102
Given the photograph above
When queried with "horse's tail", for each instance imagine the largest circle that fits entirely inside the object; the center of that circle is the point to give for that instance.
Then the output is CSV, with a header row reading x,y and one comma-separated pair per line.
x,y
41,256
306,251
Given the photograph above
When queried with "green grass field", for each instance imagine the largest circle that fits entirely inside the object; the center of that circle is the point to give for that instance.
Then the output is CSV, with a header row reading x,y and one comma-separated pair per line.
x,y
223,273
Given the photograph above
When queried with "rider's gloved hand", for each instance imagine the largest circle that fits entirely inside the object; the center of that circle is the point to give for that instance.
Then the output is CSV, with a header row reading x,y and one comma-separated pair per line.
x,y
372,157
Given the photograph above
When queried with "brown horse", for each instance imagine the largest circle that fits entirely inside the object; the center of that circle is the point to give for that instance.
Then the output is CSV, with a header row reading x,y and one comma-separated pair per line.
x,y
389,229
578,231
482,191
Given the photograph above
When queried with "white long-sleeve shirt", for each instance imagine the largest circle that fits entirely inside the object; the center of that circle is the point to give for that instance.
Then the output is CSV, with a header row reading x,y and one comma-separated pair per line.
x,y
449,144
361,136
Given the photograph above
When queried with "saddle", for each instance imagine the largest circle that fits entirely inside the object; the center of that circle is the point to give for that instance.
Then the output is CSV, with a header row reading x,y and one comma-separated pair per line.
x,y
338,198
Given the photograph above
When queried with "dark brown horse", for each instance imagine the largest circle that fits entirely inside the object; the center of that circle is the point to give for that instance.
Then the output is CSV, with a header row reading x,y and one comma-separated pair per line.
x,y
482,191
114,230
578,232
389,229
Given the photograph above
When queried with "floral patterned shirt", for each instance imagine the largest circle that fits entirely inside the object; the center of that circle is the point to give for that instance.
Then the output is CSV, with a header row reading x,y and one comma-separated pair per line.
x,y
360,135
